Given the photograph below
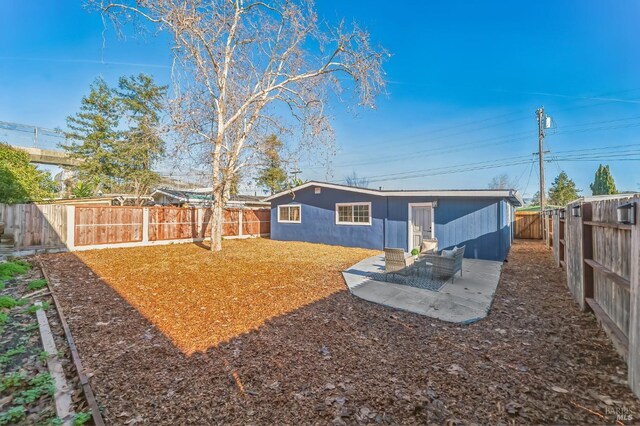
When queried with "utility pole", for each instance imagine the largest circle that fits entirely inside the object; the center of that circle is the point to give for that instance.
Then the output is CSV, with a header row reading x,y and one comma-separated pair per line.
x,y
295,172
541,118
540,115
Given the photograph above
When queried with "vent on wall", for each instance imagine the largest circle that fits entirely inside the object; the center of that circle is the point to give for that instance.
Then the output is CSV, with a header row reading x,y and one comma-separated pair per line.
x,y
318,190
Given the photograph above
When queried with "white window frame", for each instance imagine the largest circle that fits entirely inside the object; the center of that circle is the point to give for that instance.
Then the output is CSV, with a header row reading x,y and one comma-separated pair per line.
x,y
299,206
365,203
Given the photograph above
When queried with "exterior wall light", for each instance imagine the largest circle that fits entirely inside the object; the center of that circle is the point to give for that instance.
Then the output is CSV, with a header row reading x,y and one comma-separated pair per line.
x,y
627,213
575,210
561,213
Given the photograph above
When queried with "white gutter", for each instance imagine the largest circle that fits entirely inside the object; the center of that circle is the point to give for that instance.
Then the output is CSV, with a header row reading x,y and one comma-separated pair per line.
x,y
495,193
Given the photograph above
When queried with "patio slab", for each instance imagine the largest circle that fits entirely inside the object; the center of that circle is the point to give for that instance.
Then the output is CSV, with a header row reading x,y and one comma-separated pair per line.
x,y
465,300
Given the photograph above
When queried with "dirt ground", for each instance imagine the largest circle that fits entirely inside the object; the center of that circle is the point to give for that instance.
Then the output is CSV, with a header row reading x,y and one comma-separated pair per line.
x,y
313,354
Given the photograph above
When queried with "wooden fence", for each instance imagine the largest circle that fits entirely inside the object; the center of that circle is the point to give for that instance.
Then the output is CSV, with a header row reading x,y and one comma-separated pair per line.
x,y
52,226
40,226
602,262
528,225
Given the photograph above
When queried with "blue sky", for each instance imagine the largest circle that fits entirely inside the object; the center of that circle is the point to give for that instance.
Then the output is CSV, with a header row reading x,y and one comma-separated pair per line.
x,y
465,80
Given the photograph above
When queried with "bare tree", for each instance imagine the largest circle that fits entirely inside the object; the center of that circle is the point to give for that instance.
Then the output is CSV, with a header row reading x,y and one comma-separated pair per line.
x,y
245,69
501,182
354,180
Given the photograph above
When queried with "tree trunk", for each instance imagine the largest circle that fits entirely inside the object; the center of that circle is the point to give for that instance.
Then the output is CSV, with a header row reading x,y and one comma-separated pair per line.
x,y
217,217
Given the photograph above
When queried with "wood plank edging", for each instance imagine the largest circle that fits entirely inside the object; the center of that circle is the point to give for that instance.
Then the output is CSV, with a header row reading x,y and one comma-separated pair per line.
x,y
62,396
84,380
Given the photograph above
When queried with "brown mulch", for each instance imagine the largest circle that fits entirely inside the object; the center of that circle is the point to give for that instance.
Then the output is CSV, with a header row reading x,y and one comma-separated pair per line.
x,y
265,333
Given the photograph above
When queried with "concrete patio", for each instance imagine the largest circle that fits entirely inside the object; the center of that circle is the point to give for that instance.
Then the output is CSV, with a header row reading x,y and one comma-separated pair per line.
x,y
466,300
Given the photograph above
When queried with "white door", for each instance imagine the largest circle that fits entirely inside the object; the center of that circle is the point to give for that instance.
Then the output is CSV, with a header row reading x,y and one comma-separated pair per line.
x,y
421,222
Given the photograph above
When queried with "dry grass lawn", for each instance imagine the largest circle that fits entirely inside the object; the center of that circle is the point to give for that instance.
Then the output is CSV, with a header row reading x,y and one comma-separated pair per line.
x,y
199,299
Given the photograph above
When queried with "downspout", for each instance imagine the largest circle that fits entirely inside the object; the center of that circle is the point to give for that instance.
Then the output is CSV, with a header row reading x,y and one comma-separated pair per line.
x,y
384,224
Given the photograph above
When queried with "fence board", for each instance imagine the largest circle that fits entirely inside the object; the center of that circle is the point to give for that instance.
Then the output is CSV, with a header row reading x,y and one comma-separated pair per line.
x,y
528,225
97,225
38,226
35,225
603,272
173,223
634,314
574,255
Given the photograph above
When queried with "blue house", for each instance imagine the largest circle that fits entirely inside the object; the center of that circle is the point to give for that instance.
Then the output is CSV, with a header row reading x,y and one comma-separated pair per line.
x,y
326,213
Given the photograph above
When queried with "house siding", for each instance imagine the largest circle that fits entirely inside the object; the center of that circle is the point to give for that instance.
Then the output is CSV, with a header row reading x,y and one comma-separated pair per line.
x,y
318,224
480,224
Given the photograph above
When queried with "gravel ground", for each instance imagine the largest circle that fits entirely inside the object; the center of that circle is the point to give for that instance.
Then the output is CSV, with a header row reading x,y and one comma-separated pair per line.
x,y
535,359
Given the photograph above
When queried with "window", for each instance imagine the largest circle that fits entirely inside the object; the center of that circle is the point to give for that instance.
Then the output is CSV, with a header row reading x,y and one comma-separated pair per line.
x,y
289,214
353,214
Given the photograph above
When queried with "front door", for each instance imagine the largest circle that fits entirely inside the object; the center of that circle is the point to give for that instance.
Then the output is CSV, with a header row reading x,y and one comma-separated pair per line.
x,y
420,225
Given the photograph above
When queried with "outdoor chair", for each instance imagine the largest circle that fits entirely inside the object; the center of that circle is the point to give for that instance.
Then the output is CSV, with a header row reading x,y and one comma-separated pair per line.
x,y
446,263
428,246
395,262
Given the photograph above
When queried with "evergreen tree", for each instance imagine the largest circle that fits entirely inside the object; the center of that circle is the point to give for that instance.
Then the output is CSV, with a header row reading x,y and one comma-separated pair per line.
x,y
273,177
140,101
116,135
20,181
563,190
603,183
95,135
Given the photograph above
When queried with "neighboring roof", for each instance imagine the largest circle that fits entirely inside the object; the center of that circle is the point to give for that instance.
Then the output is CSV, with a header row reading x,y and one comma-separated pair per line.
x,y
184,196
606,197
536,208
204,195
512,194
88,200
247,198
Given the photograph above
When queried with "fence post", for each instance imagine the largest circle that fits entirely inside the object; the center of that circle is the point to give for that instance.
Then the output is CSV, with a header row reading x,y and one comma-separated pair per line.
x,y
634,308
240,219
145,225
587,253
71,228
199,223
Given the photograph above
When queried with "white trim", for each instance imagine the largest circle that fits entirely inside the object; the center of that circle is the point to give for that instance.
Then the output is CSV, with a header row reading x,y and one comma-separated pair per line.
x,y
71,227
410,222
299,206
511,194
162,242
361,203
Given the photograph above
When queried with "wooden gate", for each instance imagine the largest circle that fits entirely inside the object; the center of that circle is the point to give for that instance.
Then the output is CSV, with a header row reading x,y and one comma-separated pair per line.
x,y
528,225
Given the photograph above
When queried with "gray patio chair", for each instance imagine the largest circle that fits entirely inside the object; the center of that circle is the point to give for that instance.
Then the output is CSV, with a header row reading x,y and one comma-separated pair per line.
x,y
395,262
446,266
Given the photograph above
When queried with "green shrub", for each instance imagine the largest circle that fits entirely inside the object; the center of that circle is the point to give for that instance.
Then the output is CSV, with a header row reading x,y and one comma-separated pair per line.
x,y
9,270
3,318
81,418
33,308
8,302
42,385
5,357
12,415
12,380
415,252
37,284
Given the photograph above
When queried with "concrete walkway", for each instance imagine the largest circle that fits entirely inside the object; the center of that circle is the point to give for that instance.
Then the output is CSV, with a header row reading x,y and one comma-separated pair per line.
x,y
466,300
